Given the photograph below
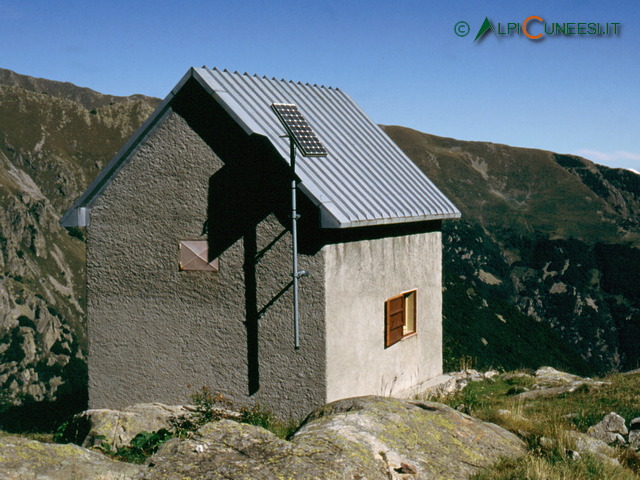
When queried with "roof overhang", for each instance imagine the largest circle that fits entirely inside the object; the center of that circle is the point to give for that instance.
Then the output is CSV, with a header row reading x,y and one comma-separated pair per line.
x,y
348,192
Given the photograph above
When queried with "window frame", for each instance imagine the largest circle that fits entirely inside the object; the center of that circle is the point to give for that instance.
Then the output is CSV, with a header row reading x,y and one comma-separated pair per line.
x,y
397,310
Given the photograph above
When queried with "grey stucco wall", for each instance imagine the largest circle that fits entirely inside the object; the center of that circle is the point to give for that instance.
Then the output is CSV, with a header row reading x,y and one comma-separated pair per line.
x,y
360,277
158,334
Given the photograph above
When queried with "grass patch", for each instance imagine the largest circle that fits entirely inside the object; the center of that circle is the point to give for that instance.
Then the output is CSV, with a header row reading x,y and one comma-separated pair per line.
x,y
544,424
541,467
582,408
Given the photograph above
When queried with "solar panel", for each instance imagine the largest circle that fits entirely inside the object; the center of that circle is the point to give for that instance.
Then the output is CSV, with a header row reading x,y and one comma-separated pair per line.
x,y
298,129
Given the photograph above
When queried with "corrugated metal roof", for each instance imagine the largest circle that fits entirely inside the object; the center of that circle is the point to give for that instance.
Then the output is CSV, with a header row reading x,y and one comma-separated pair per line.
x,y
364,180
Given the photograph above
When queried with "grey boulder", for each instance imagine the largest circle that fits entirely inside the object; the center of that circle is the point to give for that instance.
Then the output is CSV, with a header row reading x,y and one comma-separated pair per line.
x,y
117,428
21,458
359,438
610,430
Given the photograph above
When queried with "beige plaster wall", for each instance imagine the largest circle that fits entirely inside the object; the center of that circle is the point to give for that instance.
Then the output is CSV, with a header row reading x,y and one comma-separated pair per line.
x,y
360,276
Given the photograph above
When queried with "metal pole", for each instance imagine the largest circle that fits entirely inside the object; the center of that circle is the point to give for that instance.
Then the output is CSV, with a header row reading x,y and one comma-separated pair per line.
x,y
294,234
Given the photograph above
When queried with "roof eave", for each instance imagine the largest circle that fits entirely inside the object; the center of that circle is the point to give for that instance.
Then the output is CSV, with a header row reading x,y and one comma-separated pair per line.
x,y
327,220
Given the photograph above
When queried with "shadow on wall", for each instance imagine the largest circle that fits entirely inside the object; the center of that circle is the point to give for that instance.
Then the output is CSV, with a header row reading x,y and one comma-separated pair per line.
x,y
253,183
242,194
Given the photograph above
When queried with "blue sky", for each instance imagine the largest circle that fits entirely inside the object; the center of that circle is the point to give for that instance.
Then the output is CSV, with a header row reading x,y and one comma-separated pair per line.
x,y
400,61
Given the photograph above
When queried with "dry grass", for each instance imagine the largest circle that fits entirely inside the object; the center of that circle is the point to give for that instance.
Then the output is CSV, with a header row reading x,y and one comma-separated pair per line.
x,y
545,423
538,467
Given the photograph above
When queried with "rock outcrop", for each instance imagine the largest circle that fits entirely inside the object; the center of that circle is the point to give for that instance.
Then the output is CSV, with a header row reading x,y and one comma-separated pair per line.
x,y
22,459
586,444
116,428
550,382
634,433
453,382
358,438
610,430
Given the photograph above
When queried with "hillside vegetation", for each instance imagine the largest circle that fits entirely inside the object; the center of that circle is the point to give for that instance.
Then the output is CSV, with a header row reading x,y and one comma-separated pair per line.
x,y
542,269
557,427
544,265
54,138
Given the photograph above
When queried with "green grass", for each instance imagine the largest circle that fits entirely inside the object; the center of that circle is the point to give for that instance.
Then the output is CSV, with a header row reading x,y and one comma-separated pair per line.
x,y
544,422
542,467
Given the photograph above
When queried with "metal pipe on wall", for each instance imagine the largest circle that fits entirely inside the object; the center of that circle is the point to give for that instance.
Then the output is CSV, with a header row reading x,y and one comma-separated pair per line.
x,y
294,236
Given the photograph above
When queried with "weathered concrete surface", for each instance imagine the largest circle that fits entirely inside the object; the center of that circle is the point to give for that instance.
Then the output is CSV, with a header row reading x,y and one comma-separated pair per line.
x,y
117,428
157,334
360,277
371,438
24,459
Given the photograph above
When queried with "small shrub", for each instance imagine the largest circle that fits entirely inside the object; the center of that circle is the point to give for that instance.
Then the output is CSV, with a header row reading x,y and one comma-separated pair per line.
x,y
257,415
61,434
515,390
142,446
78,233
466,401
210,406
261,416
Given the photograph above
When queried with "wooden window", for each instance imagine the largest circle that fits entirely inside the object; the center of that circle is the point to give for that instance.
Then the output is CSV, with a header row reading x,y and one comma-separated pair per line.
x,y
194,256
400,317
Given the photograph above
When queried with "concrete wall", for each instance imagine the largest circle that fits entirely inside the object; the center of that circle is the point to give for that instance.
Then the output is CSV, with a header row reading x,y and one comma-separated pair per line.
x,y
159,334
360,277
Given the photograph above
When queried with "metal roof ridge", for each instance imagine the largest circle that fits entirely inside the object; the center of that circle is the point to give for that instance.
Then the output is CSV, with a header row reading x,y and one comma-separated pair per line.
x,y
366,180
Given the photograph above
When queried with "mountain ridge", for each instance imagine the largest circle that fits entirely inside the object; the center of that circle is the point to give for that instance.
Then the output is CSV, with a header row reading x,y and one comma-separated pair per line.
x,y
54,139
88,98
538,270
530,196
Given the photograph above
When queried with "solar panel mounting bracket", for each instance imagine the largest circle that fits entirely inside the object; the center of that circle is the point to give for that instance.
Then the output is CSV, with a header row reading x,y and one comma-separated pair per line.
x,y
302,137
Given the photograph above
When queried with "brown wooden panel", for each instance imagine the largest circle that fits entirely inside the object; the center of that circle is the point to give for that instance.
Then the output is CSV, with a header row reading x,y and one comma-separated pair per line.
x,y
394,320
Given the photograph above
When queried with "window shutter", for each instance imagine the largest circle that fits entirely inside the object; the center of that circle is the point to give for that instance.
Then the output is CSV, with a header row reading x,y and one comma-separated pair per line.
x,y
395,319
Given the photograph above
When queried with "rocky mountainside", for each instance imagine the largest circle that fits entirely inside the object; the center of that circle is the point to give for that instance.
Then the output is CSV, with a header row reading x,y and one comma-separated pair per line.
x,y
544,265
542,269
54,138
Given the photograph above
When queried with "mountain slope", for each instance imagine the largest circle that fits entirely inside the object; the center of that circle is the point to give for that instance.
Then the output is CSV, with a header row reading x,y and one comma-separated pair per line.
x,y
529,190
54,139
542,237
542,269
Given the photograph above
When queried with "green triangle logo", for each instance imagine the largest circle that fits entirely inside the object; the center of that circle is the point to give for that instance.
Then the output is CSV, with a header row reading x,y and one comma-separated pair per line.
x,y
486,26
